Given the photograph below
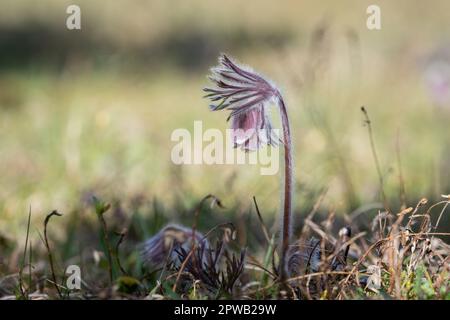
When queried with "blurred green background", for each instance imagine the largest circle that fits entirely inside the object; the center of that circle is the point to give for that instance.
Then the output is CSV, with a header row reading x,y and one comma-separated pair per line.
x,y
91,111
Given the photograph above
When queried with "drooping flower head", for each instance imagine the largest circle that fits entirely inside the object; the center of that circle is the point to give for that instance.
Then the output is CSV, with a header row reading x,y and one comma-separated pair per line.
x,y
247,95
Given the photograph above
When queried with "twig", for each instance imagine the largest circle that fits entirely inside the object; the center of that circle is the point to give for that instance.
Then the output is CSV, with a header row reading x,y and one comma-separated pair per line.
x,y
100,209
400,173
375,157
22,292
198,210
440,215
50,257
122,235
261,221
30,257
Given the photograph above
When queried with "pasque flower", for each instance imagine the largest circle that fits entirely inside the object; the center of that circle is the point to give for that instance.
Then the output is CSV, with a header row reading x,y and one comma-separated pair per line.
x,y
248,96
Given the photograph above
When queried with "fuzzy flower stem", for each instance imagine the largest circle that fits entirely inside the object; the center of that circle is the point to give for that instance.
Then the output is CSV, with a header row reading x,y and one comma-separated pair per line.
x,y
288,188
247,95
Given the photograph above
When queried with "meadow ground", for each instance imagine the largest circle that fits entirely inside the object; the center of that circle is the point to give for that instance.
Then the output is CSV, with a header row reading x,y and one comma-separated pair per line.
x,y
89,115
